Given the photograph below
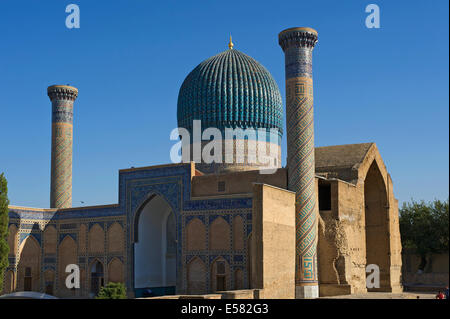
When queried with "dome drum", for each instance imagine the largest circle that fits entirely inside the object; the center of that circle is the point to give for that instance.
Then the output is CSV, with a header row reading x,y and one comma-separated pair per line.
x,y
232,90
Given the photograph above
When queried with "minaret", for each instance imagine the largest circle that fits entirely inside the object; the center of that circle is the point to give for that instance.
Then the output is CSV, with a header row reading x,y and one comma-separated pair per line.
x,y
62,97
298,44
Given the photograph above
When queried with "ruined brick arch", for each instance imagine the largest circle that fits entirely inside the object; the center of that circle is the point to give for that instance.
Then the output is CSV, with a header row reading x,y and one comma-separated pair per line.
x,y
29,268
220,275
238,233
195,235
96,241
377,223
12,240
196,277
115,270
67,254
219,234
116,238
373,156
50,240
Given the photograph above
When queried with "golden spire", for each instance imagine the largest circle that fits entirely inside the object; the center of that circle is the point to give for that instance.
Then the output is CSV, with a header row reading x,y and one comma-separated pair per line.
x,y
230,44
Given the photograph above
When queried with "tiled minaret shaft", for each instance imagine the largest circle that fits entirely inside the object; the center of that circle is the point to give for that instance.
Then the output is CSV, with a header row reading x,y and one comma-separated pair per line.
x,y
62,97
298,44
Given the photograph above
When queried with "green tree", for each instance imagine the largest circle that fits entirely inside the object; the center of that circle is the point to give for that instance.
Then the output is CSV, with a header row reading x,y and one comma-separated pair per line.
x,y
424,228
113,290
4,221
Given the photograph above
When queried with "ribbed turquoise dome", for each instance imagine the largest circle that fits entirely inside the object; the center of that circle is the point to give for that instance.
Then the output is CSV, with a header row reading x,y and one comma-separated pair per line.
x,y
233,90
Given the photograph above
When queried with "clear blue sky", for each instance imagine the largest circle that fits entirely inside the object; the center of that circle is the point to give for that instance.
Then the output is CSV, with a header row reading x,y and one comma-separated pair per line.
x,y
129,58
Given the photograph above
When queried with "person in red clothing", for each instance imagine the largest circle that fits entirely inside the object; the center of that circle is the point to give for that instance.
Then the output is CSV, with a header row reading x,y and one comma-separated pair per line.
x,y
440,295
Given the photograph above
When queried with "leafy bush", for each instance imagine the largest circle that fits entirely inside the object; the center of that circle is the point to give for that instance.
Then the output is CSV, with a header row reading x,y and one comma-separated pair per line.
x,y
113,290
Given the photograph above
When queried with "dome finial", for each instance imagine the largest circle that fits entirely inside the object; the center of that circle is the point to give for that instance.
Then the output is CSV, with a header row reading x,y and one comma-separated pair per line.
x,y
230,44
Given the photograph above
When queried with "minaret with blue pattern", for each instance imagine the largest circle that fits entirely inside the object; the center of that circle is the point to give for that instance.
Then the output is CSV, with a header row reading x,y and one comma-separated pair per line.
x,y
62,97
298,44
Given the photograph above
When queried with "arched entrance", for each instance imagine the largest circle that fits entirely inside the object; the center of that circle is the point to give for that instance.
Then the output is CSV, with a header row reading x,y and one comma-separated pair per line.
x,y
155,249
377,225
29,268
97,278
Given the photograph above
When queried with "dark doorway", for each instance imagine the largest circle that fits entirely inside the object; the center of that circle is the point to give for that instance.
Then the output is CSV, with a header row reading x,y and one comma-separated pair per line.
x,y
97,278
49,289
377,225
28,280
324,197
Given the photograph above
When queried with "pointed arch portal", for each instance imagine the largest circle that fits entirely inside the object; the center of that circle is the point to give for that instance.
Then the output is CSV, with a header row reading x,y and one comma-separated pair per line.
x,y
155,249
377,225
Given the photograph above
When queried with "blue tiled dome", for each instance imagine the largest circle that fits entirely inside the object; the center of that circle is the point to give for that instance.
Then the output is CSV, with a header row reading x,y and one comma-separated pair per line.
x,y
233,90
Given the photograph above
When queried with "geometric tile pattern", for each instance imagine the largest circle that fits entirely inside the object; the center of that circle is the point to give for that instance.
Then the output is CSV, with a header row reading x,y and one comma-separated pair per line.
x,y
230,89
173,183
297,45
62,98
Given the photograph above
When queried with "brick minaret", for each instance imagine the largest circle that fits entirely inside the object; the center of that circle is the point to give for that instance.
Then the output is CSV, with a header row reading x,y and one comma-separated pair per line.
x,y
298,44
62,97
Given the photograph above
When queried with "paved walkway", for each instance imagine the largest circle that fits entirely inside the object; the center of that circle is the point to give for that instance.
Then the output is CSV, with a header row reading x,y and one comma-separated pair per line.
x,y
386,295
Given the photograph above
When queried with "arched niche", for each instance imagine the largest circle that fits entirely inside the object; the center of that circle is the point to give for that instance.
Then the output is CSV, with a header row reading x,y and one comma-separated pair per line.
x,y
219,234
96,239
115,238
195,235
67,255
115,270
155,252
96,277
377,224
196,276
29,268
